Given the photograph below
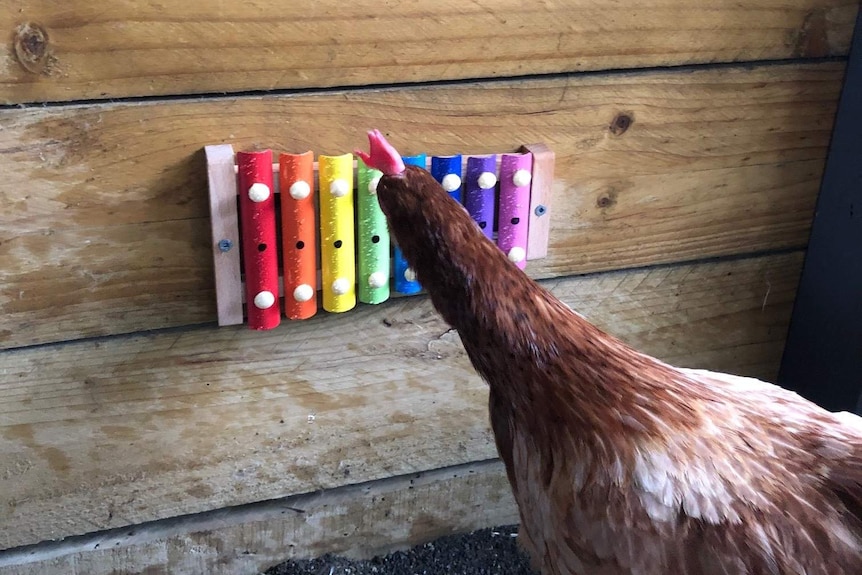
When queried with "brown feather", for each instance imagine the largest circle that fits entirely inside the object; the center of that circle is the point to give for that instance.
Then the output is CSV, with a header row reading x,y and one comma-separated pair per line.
x,y
621,464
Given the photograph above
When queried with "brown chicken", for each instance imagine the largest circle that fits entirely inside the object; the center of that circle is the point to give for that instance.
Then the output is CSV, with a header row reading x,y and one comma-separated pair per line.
x,y
620,463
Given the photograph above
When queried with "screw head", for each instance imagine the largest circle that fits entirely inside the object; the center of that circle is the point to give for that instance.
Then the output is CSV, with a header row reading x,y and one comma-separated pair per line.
x,y
487,180
303,293
540,210
517,254
341,286
264,300
521,178
225,245
451,182
372,185
339,188
299,190
258,192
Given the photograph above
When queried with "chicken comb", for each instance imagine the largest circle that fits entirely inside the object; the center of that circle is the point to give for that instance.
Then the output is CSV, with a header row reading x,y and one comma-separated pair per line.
x,y
382,156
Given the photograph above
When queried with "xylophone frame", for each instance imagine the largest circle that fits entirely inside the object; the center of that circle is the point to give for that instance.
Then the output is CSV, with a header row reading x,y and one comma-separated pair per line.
x,y
224,217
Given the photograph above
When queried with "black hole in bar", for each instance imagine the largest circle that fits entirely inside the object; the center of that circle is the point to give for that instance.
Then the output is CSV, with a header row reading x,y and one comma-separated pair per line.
x,y
375,239
300,244
482,225
261,247
337,243
515,221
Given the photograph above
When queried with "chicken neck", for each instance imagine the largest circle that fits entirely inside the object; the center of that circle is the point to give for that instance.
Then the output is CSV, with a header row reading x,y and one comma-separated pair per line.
x,y
533,350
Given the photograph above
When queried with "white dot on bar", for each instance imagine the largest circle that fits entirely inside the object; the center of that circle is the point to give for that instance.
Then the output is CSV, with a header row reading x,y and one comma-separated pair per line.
x,y
340,286
300,190
378,279
517,254
372,185
451,182
258,192
521,178
487,180
303,293
339,188
264,300
410,275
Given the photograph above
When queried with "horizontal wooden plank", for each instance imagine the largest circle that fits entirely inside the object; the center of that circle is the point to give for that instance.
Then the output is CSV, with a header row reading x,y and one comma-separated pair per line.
x,y
106,433
124,48
358,521
109,202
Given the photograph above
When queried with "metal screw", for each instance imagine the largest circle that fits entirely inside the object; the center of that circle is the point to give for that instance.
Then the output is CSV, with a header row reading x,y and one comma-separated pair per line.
x,y
225,245
540,210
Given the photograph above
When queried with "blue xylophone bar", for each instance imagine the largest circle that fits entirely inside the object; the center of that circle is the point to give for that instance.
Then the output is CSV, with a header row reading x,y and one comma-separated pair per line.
x,y
405,279
447,171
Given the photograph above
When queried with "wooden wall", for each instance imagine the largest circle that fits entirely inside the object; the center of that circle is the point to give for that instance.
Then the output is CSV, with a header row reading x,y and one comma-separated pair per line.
x,y
136,436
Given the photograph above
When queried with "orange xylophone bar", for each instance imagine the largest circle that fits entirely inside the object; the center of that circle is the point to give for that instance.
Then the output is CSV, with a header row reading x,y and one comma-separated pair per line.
x,y
299,234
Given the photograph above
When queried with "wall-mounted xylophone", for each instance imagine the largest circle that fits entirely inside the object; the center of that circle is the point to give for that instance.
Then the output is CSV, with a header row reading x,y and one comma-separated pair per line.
x,y
267,219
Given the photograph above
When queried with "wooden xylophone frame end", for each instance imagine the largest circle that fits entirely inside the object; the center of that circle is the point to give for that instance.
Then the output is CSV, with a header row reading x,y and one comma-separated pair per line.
x,y
224,218
539,231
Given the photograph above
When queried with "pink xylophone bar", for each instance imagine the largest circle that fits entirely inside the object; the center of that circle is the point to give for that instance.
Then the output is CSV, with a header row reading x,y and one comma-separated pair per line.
x,y
523,197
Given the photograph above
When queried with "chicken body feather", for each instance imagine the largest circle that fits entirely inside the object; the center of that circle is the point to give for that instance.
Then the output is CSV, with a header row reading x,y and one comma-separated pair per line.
x,y
622,464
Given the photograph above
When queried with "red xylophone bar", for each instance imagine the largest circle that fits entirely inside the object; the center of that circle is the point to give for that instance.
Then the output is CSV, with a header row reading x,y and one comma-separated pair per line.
x,y
259,250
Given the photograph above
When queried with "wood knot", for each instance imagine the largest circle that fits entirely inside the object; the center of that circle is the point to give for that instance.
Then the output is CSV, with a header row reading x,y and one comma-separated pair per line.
x,y
607,199
621,123
32,48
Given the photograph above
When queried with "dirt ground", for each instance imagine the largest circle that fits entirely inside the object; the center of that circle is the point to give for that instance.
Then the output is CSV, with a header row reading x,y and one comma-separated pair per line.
x,y
486,552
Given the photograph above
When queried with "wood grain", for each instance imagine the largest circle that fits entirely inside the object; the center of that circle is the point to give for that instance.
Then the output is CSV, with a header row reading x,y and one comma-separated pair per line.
x,y
358,521
113,432
121,48
104,227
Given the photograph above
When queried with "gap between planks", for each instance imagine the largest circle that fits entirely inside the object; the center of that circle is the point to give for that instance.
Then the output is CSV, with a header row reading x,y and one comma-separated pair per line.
x,y
546,282
545,37
449,83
